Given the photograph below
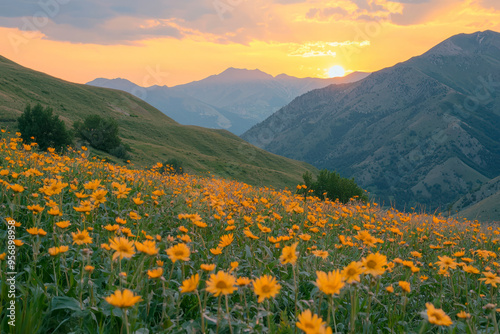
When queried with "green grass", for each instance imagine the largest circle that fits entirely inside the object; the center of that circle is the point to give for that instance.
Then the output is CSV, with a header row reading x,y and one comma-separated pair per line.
x,y
484,210
153,136
480,204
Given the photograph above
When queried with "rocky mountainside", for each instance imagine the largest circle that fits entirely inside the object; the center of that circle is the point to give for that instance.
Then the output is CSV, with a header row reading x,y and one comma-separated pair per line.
x,y
423,131
235,99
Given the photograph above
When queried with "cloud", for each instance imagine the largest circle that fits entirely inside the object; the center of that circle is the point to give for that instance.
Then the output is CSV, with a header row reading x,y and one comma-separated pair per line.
x,y
290,2
414,13
410,1
124,29
321,49
491,4
355,10
369,6
94,12
219,21
419,12
103,22
323,14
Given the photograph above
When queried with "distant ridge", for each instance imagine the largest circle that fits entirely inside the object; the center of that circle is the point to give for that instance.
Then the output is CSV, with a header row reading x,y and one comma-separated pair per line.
x,y
235,99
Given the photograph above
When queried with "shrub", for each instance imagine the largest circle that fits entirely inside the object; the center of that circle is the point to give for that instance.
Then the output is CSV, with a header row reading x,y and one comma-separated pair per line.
x,y
120,151
172,166
46,128
102,134
331,185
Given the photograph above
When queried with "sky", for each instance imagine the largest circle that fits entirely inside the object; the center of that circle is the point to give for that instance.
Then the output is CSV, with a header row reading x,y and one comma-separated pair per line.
x,y
171,42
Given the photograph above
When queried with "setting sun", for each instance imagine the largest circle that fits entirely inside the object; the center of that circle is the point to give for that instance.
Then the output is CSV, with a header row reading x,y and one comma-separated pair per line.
x,y
336,71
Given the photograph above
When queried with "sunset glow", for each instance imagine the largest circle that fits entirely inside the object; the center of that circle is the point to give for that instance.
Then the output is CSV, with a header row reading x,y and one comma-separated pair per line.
x,y
177,42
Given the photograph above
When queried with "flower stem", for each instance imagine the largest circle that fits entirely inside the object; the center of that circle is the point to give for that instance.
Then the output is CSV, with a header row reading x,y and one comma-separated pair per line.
x,y
164,306
353,310
246,306
201,312
55,277
495,323
228,316
269,316
170,276
218,316
296,294
125,320
333,311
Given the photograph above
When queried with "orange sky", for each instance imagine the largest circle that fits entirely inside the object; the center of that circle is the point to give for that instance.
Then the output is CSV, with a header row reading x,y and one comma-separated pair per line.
x,y
174,42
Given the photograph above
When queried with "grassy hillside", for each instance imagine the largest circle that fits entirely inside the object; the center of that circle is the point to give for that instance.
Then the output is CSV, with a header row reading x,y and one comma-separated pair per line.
x,y
153,136
484,210
482,203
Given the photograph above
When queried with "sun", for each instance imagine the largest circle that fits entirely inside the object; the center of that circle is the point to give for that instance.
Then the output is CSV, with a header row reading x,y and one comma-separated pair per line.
x,y
336,71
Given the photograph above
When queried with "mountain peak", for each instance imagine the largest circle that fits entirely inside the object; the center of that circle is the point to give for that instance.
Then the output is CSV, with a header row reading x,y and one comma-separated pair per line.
x,y
284,76
462,44
117,83
98,80
239,74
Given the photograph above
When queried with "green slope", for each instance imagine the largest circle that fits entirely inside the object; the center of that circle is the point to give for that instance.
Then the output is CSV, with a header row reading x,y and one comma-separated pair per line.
x,y
482,203
486,210
153,136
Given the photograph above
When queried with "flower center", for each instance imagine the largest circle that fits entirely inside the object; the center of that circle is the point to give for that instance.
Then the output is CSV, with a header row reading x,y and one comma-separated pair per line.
x,y
266,288
221,285
371,264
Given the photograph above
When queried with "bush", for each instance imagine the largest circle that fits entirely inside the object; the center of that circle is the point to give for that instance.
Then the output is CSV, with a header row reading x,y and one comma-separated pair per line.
x,y
172,166
46,129
102,134
120,151
333,186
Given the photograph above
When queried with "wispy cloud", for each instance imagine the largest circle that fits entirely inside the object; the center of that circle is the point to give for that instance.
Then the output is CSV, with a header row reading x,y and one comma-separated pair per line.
x,y
322,49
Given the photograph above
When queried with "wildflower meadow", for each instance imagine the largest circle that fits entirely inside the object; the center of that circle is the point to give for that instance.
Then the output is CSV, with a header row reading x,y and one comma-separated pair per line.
x,y
95,247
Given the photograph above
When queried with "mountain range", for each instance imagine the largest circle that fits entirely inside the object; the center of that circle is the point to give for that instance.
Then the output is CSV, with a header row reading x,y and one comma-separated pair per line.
x,y
152,135
235,99
425,131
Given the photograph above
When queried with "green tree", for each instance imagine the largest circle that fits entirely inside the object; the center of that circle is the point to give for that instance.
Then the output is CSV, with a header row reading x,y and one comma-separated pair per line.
x,y
46,128
333,186
102,134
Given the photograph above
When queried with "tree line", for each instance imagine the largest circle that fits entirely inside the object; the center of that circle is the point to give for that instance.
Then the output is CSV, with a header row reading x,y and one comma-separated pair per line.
x,y
40,125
